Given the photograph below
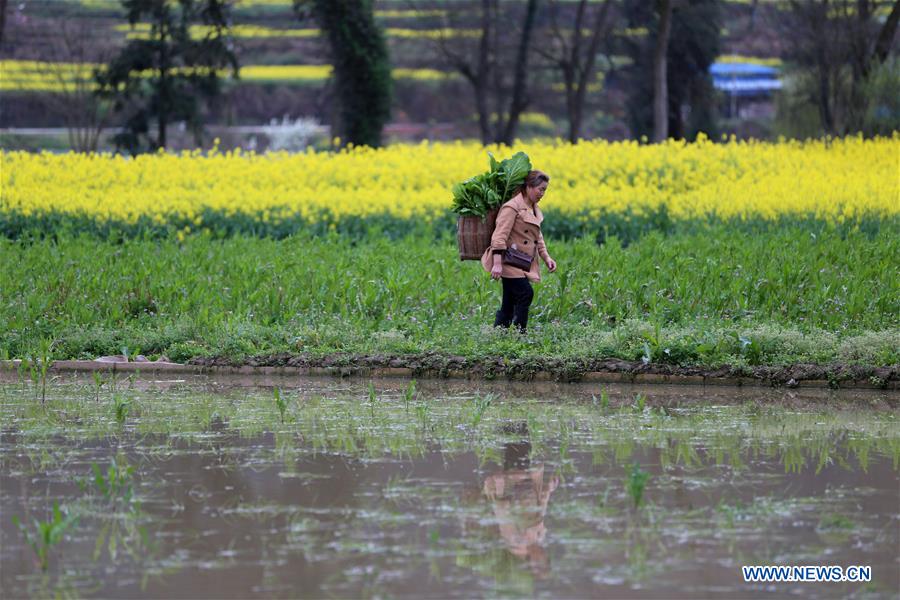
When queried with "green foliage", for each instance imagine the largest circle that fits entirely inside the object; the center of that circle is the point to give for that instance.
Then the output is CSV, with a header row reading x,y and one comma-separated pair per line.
x,y
182,69
796,112
46,534
700,294
626,227
482,193
510,173
881,91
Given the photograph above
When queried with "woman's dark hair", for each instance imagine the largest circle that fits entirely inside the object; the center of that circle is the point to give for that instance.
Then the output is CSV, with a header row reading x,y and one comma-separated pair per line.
x,y
534,179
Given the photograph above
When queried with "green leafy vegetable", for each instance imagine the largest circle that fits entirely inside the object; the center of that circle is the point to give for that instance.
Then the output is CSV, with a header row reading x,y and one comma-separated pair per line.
x,y
479,195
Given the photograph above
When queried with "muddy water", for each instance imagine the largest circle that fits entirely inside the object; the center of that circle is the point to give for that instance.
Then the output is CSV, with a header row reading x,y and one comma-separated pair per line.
x,y
209,490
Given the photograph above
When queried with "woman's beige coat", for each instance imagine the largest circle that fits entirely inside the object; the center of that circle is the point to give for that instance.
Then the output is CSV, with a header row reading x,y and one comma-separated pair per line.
x,y
516,224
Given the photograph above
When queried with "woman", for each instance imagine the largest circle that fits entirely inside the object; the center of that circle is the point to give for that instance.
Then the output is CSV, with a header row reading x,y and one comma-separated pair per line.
x,y
519,227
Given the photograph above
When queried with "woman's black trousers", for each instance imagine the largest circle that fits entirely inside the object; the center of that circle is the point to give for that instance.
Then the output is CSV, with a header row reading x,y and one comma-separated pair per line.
x,y
517,296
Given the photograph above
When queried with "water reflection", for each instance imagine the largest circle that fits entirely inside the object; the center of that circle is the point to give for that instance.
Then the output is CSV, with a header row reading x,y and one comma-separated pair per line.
x,y
519,495
357,499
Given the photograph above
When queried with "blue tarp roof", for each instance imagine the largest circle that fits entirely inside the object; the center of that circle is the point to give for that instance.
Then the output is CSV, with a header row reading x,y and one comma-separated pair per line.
x,y
742,70
746,86
744,79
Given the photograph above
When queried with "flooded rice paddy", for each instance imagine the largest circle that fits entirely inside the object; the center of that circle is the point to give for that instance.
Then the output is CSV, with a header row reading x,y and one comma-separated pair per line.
x,y
326,488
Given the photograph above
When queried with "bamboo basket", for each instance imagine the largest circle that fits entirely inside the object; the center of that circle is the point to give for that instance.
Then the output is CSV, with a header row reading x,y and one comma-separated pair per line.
x,y
473,235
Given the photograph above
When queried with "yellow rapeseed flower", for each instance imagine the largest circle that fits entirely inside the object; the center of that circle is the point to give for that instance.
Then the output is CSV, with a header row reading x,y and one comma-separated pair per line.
x,y
832,179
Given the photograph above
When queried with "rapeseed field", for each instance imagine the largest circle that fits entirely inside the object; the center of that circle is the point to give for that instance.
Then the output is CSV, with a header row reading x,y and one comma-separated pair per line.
x,y
827,180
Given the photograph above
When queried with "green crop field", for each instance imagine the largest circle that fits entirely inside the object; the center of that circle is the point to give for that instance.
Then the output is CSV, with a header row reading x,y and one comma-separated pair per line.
x,y
718,295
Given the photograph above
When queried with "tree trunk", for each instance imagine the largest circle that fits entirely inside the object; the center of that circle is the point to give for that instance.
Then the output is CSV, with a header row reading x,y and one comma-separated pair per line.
x,y
885,38
2,19
823,73
754,5
825,101
587,72
572,107
164,95
479,80
484,120
660,87
859,43
569,64
520,83
362,73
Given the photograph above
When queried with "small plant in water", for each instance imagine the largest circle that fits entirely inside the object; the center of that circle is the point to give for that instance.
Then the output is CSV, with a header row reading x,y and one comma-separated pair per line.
x,y
116,484
39,364
603,401
637,480
98,383
47,534
422,413
639,402
122,406
408,394
372,397
280,403
117,511
481,405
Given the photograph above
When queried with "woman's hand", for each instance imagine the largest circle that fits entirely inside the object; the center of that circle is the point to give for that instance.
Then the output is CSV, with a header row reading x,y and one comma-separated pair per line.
x,y
496,271
551,264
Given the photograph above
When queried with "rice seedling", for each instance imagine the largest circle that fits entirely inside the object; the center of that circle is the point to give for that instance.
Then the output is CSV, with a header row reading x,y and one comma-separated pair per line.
x,y
637,481
43,536
121,407
640,401
115,484
409,394
604,400
422,410
38,364
339,421
280,403
480,405
97,377
372,399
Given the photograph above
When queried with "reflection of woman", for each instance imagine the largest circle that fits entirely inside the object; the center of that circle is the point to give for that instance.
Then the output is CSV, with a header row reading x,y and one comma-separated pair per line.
x,y
520,497
518,226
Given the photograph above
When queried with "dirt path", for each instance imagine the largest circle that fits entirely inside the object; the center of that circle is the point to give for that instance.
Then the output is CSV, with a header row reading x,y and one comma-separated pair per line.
x,y
437,366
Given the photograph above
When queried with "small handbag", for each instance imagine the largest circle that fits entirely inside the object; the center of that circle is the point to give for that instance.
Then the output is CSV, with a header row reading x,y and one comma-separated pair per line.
x,y
518,259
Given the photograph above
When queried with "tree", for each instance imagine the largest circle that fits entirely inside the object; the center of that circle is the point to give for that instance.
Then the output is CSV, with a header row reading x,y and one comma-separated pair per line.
x,y
692,47
362,69
576,61
70,53
835,46
161,79
660,89
70,65
495,66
